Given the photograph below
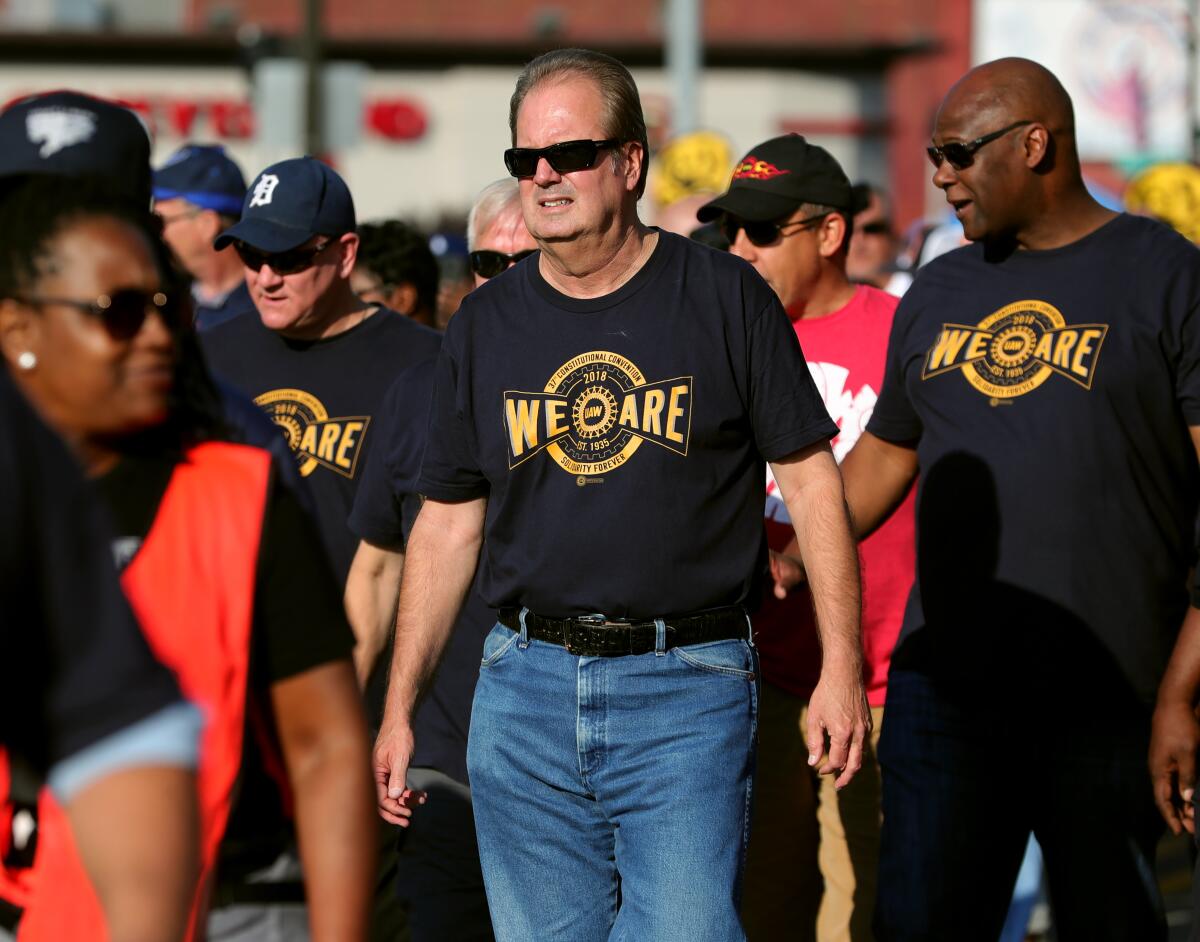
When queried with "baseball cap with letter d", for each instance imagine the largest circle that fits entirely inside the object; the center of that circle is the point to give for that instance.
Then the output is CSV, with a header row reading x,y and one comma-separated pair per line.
x,y
289,203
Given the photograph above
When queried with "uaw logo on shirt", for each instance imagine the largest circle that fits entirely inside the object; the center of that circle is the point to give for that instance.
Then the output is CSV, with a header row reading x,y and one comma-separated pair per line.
x,y
314,438
594,413
1014,350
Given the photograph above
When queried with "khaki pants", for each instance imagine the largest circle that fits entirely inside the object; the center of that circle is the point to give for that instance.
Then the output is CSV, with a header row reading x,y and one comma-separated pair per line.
x,y
813,855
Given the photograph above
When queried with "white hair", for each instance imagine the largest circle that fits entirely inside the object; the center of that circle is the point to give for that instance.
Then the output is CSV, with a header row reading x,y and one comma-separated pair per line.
x,y
492,200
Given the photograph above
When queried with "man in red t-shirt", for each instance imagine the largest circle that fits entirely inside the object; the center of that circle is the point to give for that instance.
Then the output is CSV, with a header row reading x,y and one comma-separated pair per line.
x,y
788,212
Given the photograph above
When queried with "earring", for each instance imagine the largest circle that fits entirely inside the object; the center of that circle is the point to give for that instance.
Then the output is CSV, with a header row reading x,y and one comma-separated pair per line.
x,y
27,360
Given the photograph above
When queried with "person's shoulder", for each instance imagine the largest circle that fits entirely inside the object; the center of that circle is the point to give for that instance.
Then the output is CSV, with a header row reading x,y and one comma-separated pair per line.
x,y
878,301
412,382
414,336
226,340
1156,237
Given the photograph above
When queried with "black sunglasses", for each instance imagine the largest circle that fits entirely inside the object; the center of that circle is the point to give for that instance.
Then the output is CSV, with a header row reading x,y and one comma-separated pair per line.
x,y
564,157
762,234
879,227
122,313
487,263
282,263
960,155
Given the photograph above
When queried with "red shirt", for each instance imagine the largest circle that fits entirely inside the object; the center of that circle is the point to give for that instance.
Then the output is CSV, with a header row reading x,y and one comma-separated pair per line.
x,y
846,352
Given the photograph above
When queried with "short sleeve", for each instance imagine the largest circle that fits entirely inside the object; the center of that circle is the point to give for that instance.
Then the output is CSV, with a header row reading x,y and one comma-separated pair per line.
x,y
384,503
785,407
299,619
894,419
450,470
1186,298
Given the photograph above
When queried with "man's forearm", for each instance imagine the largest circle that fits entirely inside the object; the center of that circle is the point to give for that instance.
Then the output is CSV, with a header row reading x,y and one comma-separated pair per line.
x,y
438,571
372,589
831,560
1181,681
876,476
812,491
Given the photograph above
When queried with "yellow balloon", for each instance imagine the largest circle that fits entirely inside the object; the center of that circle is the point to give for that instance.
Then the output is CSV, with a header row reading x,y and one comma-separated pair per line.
x,y
1170,192
694,163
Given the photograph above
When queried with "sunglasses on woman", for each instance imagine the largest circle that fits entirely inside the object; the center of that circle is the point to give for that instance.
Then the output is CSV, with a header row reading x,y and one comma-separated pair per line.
x,y
762,234
487,263
282,263
565,157
122,313
960,155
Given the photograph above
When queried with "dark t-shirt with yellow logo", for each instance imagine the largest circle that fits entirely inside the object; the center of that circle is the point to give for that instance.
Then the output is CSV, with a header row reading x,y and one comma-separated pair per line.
x,y
323,395
1049,394
620,440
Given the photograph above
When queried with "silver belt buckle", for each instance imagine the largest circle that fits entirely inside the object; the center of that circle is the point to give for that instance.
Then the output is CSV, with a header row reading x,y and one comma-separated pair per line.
x,y
602,621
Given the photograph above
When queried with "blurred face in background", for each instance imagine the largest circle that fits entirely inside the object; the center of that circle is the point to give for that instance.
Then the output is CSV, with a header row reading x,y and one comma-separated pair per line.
x,y
505,233
99,326
873,245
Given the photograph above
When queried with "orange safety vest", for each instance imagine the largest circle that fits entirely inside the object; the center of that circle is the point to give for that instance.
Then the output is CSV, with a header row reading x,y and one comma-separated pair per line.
x,y
192,586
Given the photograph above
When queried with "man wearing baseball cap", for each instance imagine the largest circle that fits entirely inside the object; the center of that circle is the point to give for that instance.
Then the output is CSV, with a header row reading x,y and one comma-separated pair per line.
x,y
788,212
198,193
318,360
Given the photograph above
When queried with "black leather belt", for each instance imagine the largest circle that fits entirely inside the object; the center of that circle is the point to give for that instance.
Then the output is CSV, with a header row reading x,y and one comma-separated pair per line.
x,y
598,636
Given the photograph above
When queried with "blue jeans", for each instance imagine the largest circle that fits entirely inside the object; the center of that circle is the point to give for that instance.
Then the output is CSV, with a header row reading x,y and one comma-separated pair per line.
x,y
612,795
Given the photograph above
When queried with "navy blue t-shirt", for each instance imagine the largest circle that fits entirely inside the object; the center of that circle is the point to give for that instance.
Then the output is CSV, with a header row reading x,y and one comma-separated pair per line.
x,y
1049,395
323,395
236,303
76,665
384,510
620,440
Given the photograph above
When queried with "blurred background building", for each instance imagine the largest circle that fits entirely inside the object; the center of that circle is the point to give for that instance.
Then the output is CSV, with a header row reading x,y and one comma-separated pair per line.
x,y
415,93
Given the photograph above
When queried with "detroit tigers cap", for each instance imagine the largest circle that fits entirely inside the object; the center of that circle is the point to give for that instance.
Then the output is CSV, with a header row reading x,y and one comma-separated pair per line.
x,y
70,134
289,203
205,176
779,175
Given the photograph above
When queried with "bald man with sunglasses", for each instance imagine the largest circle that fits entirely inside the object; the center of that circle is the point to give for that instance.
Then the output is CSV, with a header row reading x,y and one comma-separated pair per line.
x,y
1043,381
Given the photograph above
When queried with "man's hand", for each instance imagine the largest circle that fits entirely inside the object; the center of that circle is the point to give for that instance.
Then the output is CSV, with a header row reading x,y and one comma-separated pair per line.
x,y
1174,741
787,571
838,711
393,752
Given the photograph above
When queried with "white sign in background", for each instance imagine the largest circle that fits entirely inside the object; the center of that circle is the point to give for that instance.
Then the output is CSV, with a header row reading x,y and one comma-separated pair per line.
x,y
1124,64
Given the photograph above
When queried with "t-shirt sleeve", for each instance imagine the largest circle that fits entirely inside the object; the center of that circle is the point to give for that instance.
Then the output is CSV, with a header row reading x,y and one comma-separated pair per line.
x,y
450,469
785,408
1186,298
384,506
894,419
73,650
299,619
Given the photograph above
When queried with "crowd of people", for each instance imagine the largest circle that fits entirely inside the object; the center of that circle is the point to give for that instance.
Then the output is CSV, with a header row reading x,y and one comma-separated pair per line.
x,y
772,579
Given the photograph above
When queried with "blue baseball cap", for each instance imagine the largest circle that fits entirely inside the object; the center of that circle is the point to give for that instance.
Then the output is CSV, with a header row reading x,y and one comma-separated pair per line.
x,y
289,203
205,176
70,134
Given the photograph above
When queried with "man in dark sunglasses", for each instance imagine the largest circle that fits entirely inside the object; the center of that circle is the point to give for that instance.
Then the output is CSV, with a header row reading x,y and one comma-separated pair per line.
x,y
496,235
318,360
872,258
439,878
1044,382
788,212
600,420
